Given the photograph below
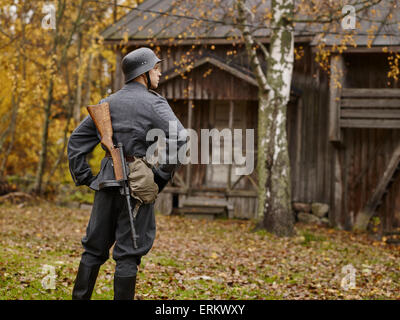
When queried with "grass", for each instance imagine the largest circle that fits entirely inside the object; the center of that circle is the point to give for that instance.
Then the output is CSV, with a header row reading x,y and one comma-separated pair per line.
x,y
196,259
311,237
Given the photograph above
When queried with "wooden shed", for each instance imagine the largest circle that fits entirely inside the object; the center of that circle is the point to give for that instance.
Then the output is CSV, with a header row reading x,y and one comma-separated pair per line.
x,y
344,143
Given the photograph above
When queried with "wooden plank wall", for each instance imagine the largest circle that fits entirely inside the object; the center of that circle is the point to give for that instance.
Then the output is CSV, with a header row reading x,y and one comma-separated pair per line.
x,y
366,151
368,70
245,116
208,82
309,149
173,55
370,108
244,207
364,160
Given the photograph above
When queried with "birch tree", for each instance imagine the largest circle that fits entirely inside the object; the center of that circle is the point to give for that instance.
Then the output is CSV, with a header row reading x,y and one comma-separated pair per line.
x,y
273,167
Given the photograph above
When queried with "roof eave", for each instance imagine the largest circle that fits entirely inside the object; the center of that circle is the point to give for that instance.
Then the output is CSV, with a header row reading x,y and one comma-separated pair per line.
x,y
190,41
223,66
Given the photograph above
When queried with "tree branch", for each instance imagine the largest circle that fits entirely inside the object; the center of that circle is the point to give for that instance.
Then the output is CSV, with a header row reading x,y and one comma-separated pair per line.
x,y
263,49
250,46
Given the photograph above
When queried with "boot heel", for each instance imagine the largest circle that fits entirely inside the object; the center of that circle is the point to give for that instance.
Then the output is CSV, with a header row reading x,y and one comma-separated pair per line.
x,y
84,282
124,288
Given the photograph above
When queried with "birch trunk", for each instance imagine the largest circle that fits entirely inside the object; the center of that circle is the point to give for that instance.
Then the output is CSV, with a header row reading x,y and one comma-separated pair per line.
x,y
278,215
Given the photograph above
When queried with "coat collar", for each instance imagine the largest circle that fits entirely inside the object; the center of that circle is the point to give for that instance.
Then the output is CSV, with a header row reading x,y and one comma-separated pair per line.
x,y
136,85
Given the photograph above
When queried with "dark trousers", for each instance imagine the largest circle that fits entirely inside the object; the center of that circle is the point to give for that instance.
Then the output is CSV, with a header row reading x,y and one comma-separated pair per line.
x,y
109,224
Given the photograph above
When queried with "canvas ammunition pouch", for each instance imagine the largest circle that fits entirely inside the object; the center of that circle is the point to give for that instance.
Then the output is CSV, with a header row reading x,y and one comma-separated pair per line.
x,y
141,181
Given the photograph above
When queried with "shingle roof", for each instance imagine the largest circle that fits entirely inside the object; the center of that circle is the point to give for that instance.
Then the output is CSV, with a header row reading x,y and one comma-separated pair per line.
x,y
173,19
180,18
375,19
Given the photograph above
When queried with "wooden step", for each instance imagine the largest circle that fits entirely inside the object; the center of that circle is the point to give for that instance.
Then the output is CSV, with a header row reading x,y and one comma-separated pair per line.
x,y
204,210
204,207
204,202
201,213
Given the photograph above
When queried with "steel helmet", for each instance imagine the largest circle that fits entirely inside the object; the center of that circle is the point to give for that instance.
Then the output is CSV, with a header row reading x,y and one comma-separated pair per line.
x,y
138,62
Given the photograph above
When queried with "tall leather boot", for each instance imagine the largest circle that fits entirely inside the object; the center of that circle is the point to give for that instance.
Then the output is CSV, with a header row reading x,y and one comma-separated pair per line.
x,y
124,288
85,281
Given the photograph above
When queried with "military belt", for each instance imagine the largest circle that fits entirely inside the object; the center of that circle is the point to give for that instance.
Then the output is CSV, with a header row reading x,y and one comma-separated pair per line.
x,y
128,158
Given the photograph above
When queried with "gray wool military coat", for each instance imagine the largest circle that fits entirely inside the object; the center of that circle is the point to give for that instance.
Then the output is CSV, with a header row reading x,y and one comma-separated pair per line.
x,y
134,111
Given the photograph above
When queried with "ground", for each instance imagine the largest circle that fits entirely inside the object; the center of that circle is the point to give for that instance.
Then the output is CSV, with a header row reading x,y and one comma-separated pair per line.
x,y
197,259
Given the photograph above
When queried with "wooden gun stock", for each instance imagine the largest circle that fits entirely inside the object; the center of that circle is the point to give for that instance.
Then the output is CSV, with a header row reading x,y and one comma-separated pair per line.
x,y
100,114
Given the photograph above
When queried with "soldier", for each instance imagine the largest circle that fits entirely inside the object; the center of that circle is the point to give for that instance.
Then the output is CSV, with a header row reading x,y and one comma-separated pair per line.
x,y
134,110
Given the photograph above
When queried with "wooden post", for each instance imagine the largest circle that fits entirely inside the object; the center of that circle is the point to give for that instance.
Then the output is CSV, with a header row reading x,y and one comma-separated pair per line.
x,y
337,188
336,83
119,77
189,126
298,144
231,109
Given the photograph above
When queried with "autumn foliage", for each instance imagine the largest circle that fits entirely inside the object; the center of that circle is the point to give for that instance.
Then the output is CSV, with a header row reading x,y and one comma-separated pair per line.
x,y
47,76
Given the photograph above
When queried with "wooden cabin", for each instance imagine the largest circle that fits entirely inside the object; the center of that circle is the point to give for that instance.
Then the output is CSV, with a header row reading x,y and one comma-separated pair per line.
x,y
344,143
